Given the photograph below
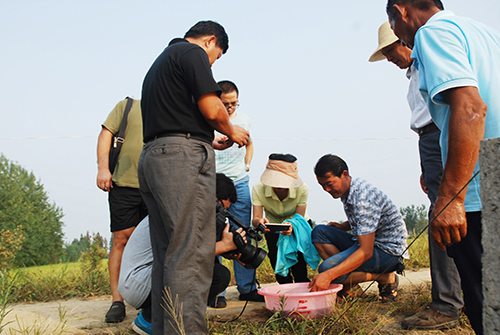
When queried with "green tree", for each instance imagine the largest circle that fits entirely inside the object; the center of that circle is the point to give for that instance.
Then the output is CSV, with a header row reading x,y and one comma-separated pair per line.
x,y
24,202
415,218
74,250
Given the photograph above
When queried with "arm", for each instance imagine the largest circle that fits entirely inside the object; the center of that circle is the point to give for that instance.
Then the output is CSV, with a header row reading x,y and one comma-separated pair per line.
x,y
258,213
216,115
249,155
103,174
322,281
465,131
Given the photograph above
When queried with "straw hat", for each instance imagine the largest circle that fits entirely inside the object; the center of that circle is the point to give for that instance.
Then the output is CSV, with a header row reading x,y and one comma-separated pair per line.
x,y
281,172
385,38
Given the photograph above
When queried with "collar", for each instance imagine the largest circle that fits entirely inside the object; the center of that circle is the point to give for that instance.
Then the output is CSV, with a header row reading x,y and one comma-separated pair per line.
x,y
177,40
269,193
439,15
412,70
347,200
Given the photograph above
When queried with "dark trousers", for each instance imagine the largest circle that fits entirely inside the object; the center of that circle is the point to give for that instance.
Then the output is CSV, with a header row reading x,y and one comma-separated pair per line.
x,y
299,270
446,288
177,182
467,256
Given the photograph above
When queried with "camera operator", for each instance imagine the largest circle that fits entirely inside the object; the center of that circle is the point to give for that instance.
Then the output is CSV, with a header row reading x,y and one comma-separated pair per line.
x,y
137,262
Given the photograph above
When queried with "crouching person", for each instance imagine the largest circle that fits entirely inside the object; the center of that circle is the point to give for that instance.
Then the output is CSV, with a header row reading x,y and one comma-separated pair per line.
x,y
377,241
137,262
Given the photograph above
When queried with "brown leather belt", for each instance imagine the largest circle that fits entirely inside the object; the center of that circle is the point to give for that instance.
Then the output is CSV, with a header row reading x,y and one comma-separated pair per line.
x,y
426,129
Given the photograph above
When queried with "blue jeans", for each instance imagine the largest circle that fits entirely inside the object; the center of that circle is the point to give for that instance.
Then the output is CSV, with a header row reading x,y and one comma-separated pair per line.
x,y
378,263
242,210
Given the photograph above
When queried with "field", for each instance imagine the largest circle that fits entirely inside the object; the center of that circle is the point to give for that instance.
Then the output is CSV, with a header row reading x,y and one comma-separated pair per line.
x,y
89,279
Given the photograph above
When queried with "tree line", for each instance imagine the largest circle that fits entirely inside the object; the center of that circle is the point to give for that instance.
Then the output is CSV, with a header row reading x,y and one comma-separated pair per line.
x,y
30,225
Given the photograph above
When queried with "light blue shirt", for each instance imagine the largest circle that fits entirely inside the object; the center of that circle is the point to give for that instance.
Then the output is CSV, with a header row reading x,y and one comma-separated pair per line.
x,y
231,161
452,52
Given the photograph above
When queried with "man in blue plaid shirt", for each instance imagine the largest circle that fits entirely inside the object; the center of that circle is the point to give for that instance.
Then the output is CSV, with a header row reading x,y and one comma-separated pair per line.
x,y
377,241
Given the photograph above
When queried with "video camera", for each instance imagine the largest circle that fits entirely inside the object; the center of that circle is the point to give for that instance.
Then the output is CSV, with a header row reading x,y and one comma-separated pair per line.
x,y
250,255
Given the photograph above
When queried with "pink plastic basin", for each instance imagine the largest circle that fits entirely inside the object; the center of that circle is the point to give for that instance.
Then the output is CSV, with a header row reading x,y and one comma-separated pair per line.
x,y
296,301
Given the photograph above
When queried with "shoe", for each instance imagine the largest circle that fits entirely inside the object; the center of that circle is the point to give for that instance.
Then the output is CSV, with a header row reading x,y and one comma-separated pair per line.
x,y
116,312
388,292
429,319
218,302
252,296
141,326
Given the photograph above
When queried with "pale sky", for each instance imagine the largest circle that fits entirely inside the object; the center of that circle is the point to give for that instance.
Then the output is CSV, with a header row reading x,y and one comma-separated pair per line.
x,y
302,69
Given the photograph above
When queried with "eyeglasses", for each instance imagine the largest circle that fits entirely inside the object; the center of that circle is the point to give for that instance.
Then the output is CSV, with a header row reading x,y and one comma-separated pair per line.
x,y
233,104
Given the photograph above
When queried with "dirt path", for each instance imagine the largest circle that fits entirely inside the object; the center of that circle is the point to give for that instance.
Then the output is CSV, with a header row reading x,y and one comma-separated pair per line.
x,y
86,316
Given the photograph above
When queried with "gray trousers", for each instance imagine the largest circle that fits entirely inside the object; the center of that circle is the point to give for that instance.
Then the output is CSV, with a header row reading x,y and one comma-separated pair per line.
x,y
446,285
177,181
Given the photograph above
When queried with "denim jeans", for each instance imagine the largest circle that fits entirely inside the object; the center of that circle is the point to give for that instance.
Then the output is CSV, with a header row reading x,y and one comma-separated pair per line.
x,y
378,263
242,210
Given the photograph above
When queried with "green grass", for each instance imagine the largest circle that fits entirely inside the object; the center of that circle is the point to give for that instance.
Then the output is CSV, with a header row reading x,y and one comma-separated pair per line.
x,y
366,316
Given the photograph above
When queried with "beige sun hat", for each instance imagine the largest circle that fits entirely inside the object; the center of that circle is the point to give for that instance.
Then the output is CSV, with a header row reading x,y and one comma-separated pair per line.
x,y
385,38
280,173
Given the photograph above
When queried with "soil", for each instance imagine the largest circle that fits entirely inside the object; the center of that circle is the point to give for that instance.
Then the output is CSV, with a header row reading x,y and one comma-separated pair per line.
x,y
86,316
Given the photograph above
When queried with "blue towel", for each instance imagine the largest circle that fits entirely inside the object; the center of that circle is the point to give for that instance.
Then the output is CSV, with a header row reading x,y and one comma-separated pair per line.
x,y
289,246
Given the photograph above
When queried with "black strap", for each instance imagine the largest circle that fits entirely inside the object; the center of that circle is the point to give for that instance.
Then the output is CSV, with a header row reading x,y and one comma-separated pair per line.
x,y
123,125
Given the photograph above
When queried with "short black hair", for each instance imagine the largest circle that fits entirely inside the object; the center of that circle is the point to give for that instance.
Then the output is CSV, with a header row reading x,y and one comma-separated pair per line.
x,y
206,28
283,157
419,4
330,163
228,86
225,189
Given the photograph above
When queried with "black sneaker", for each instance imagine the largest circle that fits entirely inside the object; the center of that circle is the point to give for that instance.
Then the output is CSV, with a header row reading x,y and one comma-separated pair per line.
x,y
218,302
116,312
252,296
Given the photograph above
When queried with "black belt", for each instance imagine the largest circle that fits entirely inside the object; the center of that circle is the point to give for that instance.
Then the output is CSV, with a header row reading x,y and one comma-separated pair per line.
x,y
186,135
426,129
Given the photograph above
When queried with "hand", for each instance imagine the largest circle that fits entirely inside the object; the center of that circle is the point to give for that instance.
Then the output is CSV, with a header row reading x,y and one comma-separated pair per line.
x,y
320,282
222,142
289,231
264,221
239,136
104,180
423,185
227,243
451,225
342,226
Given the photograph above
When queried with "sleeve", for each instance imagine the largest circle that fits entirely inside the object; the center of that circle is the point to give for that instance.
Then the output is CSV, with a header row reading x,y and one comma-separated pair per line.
x,y
442,54
114,118
303,195
255,196
198,73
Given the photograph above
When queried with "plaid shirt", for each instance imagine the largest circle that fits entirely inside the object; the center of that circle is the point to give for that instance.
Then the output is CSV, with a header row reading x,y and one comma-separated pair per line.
x,y
369,210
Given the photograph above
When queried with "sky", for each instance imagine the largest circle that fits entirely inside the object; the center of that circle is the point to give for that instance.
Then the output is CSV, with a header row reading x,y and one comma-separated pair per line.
x,y
301,66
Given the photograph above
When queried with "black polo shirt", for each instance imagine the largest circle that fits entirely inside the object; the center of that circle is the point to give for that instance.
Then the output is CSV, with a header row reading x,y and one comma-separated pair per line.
x,y
171,89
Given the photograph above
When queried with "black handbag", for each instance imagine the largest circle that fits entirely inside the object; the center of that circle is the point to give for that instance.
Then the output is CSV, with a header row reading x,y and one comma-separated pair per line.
x,y
118,138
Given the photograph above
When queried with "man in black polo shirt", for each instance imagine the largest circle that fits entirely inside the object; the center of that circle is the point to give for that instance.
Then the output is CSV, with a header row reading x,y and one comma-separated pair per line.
x,y
180,110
